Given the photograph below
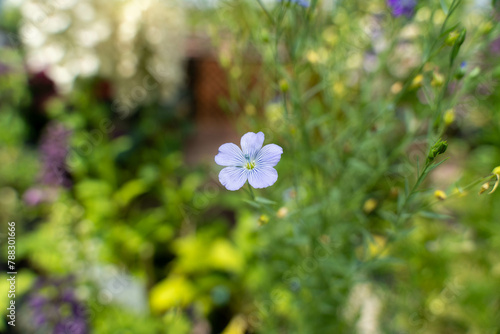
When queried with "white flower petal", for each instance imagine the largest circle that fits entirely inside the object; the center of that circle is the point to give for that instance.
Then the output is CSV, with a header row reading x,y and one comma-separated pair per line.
x,y
229,155
269,155
251,143
233,178
262,177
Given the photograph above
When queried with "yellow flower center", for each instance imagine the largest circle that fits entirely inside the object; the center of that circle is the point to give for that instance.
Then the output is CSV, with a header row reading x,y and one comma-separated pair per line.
x,y
250,165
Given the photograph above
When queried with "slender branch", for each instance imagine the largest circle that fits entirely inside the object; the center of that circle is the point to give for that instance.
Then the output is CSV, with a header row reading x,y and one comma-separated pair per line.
x,y
266,11
251,192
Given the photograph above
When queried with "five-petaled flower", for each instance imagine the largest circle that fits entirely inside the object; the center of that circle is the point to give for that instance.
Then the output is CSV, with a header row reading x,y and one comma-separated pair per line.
x,y
252,162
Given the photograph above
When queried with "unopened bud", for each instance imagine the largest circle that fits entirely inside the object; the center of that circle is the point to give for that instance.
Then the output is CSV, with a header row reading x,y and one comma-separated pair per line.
x,y
452,37
282,212
263,220
396,87
484,187
485,28
437,79
284,86
461,71
370,205
440,195
264,36
449,116
417,82
438,148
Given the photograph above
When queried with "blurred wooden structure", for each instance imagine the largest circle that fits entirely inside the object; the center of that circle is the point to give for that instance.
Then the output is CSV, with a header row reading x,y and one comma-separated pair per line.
x,y
209,85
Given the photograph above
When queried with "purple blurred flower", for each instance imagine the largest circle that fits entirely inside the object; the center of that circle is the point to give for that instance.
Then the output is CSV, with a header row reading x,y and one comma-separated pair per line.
x,y
302,3
39,319
37,301
71,326
45,303
33,196
37,195
402,7
54,149
495,46
253,162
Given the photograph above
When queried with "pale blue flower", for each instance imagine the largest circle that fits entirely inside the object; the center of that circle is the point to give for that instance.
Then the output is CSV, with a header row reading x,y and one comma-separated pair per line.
x,y
402,7
252,162
302,3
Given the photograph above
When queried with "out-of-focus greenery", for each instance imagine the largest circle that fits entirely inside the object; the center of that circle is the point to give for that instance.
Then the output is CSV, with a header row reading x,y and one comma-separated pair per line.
x,y
351,238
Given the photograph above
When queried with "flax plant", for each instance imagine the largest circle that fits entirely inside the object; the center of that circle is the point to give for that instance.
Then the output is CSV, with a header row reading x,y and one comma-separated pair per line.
x,y
356,94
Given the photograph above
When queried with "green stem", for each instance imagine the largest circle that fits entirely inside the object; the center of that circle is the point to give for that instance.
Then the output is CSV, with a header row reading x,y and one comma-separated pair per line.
x,y
265,11
251,191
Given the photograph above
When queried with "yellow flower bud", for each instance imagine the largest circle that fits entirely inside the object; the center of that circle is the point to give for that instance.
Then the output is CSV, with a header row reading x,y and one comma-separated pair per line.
x,y
452,37
396,87
496,170
437,79
486,27
440,195
250,110
312,57
284,85
329,36
484,187
263,220
370,205
338,88
449,116
377,247
282,212
417,82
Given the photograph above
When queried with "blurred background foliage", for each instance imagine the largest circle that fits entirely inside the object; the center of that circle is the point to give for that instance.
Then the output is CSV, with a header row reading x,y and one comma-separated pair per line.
x,y
111,114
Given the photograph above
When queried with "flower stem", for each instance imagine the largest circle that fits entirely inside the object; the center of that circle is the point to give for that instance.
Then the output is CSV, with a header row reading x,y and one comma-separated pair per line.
x,y
251,192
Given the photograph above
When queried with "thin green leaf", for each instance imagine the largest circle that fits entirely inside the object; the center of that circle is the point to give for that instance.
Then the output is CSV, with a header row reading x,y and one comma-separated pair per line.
x,y
252,203
435,165
448,30
264,200
444,7
434,215
407,187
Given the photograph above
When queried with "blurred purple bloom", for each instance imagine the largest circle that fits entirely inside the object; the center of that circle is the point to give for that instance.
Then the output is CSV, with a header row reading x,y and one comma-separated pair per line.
x,y
54,149
39,319
33,196
402,7
253,162
37,301
71,326
495,46
36,195
302,3
47,300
